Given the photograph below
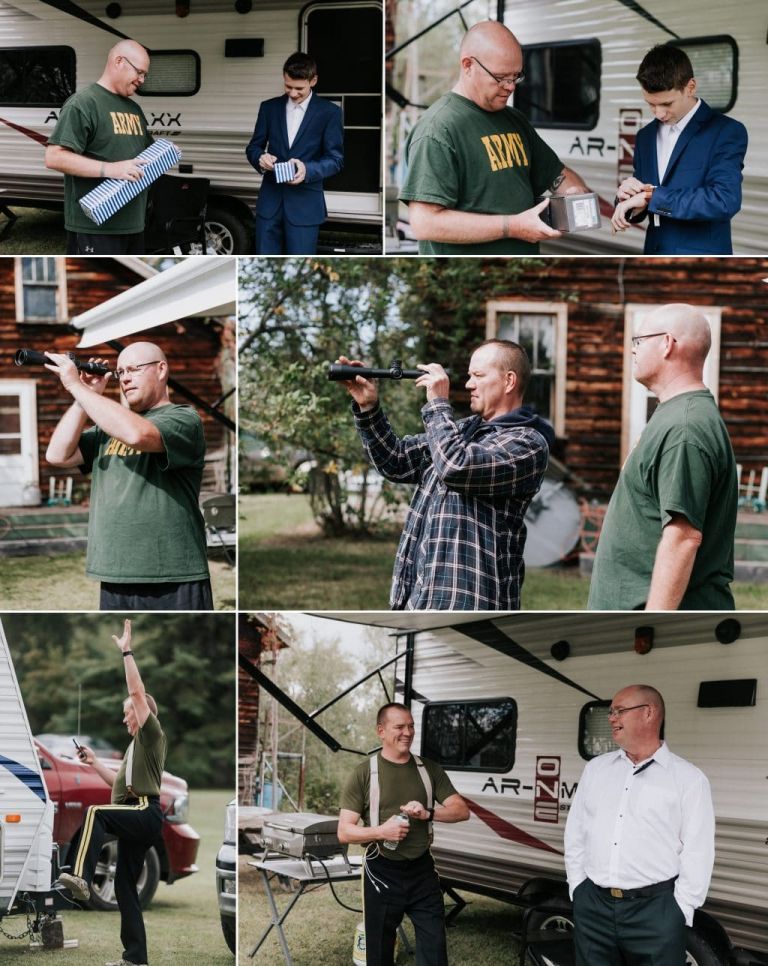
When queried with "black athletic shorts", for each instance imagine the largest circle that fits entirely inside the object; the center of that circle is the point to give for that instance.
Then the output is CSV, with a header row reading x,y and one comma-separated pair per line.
x,y
186,595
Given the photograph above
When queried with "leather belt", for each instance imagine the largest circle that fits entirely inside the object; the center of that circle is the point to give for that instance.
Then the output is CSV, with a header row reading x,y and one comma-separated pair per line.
x,y
642,893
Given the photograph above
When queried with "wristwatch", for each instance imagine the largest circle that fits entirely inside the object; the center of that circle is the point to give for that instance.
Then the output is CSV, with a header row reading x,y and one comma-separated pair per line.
x,y
430,814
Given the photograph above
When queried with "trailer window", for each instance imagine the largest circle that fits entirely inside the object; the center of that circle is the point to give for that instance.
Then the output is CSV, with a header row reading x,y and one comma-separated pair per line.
x,y
36,76
595,730
172,72
562,84
471,735
715,62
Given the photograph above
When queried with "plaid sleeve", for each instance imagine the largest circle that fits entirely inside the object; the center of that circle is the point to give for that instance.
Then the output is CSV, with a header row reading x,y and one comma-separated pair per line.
x,y
512,458
398,460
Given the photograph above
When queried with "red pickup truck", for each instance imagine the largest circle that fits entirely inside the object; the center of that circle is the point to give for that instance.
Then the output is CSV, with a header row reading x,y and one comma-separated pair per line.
x,y
73,786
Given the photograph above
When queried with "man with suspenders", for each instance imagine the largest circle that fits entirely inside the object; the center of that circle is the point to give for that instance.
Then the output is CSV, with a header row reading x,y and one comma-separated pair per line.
x,y
134,817
399,873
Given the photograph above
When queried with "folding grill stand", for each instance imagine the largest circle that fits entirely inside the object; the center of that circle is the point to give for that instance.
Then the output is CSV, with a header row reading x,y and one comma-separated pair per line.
x,y
306,873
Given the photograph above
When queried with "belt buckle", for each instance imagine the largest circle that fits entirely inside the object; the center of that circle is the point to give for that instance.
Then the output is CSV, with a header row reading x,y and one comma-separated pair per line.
x,y
617,893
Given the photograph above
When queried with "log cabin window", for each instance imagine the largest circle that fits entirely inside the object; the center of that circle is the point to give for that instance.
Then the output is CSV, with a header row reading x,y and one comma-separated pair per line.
x,y
542,329
470,735
41,290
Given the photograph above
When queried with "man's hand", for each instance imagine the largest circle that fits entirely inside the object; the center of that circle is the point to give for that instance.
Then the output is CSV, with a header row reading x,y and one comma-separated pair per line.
x,y
301,171
435,381
267,162
415,810
124,642
393,830
86,754
529,227
70,375
132,170
629,187
619,220
365,392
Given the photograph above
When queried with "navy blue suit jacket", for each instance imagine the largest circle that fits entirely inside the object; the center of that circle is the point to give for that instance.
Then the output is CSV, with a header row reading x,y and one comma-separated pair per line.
x,y
701,190
319,144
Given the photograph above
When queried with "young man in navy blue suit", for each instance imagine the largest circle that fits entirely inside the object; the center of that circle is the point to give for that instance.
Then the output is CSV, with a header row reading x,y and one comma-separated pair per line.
x,y
308,132
688,164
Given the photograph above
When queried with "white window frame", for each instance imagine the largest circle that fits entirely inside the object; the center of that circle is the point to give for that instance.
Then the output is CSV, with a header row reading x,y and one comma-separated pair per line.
x,y
560,312
634,405
62,313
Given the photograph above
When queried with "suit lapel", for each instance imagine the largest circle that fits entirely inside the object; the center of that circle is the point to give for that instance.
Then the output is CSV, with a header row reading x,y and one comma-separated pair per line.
x,y
689,131
283,122
312,107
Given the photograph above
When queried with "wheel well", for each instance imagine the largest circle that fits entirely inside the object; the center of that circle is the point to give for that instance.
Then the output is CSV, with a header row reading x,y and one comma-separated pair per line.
x,y
234,206
708,927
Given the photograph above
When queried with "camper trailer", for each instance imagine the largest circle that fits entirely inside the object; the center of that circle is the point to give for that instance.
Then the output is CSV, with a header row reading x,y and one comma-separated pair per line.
x,y
514,705
26,810
212,65
580,91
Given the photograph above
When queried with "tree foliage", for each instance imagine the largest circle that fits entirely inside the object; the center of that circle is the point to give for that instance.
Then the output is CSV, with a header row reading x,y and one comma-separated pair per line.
x,y
69,661
298,315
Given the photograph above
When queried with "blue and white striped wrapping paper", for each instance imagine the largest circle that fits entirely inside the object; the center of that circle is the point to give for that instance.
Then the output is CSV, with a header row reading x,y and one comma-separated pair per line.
x,y
284,171
110,196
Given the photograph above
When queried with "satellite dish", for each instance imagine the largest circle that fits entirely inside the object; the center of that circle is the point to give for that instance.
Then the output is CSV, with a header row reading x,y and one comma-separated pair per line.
x,y
553,521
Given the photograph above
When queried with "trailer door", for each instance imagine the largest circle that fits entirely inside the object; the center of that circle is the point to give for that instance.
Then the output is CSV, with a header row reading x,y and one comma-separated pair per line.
x,y
346,41
18,443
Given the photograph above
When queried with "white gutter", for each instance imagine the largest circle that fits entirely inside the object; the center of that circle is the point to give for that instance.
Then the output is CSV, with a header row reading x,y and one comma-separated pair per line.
x,y
200,285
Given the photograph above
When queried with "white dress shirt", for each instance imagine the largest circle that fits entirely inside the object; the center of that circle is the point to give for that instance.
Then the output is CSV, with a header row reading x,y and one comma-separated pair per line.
x,y
294,115
667,137
629,828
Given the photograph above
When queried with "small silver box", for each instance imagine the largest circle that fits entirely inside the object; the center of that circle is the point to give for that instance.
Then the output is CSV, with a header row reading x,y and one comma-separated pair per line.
x,y
573,212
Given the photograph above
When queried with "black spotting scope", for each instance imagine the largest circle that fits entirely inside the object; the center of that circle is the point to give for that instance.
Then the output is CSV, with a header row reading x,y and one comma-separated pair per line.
x,y
31,357
339,373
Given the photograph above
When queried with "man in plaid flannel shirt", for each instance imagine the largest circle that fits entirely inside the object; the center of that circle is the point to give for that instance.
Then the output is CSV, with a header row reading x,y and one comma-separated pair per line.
x,y
463,540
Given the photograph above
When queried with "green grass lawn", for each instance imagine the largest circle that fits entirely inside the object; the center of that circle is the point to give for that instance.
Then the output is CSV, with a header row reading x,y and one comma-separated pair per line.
x,y
37,232
319,930
59,583
286,564
182,920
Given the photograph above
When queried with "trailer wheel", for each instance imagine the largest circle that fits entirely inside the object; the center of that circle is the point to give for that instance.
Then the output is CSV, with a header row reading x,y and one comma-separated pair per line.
x,y
548,915
698,951
225,234
103,885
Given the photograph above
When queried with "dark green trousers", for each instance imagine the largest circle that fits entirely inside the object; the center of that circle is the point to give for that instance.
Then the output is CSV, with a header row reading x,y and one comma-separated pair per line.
x,y
647,931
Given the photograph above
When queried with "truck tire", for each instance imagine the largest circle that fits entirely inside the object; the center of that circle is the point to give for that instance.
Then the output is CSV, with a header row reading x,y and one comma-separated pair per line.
x,y
225,233
546,916
228,927
103,885
698,951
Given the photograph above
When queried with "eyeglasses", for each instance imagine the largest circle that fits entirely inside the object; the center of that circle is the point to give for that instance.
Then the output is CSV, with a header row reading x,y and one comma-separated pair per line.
x,y
141,74
637,339
131,370
618,712
509,81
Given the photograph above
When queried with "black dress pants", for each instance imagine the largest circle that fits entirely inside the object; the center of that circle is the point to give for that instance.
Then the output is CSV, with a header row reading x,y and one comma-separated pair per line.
x,y
404,887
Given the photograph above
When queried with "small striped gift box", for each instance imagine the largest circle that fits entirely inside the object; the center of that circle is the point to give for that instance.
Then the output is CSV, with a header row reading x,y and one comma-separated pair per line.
x,y
284,171
110,196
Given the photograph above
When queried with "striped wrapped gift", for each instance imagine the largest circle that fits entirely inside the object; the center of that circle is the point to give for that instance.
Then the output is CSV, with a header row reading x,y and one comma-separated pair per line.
x,y
284,171
110,196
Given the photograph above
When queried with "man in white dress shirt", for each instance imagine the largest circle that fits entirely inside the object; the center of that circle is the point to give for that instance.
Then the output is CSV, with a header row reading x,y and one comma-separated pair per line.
x,y
639,843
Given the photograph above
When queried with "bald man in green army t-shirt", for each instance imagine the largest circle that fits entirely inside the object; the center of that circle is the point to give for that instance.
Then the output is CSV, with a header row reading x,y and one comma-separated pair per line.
x,y
477,166
134,817
99,134
399,873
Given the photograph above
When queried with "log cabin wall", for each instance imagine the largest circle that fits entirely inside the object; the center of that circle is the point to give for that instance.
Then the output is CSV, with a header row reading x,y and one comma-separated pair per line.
x,y
598,289
199,353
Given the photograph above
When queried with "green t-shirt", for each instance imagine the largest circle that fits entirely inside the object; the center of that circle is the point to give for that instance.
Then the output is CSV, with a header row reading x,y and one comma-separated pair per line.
x,y
109,127
398,784
489,162
145,524
145,758
683,463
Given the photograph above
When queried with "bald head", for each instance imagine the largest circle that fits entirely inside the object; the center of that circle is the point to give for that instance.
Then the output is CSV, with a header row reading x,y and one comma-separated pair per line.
x,y
143,375
486,39
127,48
688,325
126,68
490,60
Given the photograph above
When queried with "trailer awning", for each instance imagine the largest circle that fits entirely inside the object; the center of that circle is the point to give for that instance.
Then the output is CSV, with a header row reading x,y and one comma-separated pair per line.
x,y
198,286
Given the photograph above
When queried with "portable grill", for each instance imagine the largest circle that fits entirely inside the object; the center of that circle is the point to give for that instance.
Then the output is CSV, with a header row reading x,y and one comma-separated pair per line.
x,y
301,835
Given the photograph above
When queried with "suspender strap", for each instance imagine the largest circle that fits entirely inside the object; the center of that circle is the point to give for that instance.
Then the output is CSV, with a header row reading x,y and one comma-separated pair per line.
x,y
427,783
374,793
